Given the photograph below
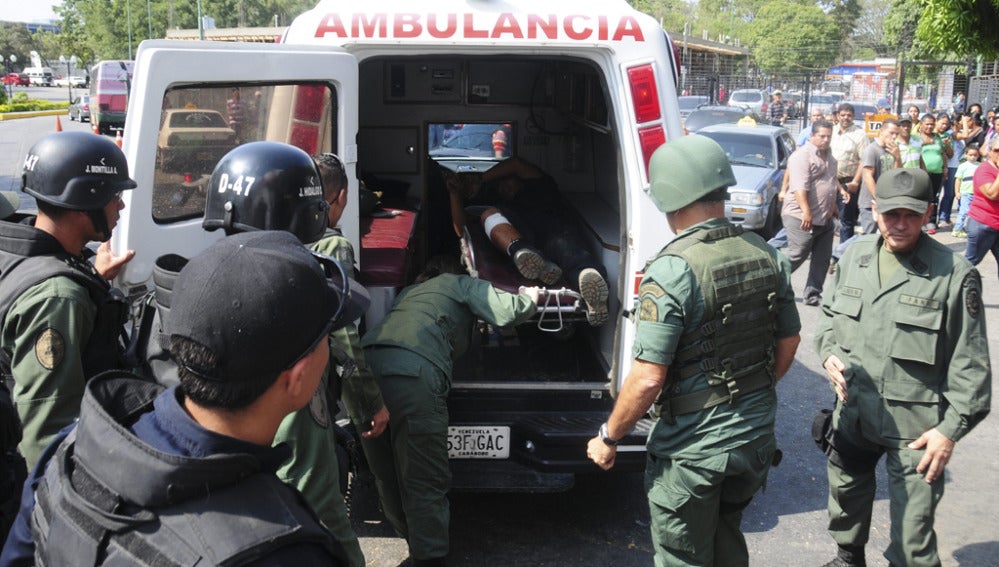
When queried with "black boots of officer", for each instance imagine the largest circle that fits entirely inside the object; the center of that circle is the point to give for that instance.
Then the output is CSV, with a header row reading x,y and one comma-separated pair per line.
x,y
848,556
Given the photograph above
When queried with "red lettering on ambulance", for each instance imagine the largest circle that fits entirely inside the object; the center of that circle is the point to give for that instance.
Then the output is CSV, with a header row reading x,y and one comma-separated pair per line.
x,y
507,24
549,26
470,31
374,26
407,25
628,27
434,29
572,32
331,23
576,27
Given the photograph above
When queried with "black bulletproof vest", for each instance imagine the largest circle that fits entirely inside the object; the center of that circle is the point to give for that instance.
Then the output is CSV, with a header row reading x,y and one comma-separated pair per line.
x,y
28,257
220,510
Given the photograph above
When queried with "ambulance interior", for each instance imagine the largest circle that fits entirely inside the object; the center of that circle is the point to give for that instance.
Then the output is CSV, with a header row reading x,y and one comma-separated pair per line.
x,y
421,120
459,116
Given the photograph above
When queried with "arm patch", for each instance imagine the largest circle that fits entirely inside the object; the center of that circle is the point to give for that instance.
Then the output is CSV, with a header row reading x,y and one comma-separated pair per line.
x,y
972,285
650,292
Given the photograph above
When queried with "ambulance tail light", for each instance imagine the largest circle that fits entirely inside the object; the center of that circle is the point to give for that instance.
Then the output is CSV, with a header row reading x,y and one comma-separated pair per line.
x,y
650,139
308,111
644,93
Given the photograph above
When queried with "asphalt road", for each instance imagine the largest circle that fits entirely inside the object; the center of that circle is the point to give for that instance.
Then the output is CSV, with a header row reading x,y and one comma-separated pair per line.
x,y
603,520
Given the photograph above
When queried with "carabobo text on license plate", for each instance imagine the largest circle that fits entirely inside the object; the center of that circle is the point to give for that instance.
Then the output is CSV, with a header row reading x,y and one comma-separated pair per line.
x,y
478,442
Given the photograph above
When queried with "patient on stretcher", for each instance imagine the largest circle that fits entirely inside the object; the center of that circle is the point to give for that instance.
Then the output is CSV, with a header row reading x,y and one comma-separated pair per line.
x,y
525,217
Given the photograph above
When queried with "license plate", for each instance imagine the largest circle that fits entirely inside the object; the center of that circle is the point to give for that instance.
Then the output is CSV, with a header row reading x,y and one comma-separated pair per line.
x,y
478,442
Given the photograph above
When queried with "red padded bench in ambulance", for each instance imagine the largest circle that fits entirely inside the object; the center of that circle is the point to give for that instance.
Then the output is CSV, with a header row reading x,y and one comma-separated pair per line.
x,y
387,249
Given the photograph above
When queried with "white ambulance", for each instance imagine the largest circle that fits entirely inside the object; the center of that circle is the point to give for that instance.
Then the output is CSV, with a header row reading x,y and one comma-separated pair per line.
x,y
410,94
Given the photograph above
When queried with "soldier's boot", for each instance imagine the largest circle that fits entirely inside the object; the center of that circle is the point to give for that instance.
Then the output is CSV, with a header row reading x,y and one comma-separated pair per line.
x,y
848,556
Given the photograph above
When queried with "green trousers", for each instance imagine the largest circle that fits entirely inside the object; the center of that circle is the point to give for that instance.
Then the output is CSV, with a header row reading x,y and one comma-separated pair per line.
x,y
314,470
696,506
912,504
410,460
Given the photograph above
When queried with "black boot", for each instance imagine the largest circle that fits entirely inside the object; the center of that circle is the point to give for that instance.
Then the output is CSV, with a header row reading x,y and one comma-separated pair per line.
x,y
848,556
436,562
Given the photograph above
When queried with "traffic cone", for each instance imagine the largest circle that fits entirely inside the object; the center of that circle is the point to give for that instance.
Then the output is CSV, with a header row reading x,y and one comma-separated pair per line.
x,y
117,139
58,125
94,128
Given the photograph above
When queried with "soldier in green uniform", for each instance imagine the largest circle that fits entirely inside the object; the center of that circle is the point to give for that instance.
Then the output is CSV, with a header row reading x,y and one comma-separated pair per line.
x,y
411,352
903,343
716,329
288,195
360,393
61,320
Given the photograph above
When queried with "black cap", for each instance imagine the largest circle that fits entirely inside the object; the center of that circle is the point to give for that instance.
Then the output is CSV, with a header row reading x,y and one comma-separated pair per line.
x,y
260,301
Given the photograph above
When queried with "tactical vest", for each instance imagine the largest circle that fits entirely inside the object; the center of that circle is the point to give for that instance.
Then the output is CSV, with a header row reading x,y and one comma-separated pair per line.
x,y
79,519
149,346
733,349
105,348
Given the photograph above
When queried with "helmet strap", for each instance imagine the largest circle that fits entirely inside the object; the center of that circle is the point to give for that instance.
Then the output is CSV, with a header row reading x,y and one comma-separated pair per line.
x,y
100,222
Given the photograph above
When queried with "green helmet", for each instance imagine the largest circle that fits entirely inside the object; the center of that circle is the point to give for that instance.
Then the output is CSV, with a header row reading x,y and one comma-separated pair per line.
x,y
683,170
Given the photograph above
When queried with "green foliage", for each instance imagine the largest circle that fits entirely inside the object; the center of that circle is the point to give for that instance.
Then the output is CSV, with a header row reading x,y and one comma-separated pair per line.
x,y
794,36
21,103
99,29
16,40
900,28
960,27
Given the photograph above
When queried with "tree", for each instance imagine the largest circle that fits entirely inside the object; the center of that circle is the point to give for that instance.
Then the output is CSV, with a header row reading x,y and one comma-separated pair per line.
x,y
869,31
960,27
99,29
794,35
15,39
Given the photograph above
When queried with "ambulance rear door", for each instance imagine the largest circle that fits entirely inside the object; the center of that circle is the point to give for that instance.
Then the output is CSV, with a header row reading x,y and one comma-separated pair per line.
x,y
194,101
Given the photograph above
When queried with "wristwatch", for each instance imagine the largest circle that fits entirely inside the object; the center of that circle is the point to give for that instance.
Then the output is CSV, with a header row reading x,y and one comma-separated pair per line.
x,y
605,437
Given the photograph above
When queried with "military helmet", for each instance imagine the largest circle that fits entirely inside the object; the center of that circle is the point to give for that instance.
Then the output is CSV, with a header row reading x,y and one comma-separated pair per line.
x,y
75,170
683,170
267,186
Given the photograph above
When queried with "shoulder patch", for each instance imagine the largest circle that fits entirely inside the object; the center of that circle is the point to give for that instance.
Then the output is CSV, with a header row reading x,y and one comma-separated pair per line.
x,y
649,310
652,288
50,348
318,409
972,294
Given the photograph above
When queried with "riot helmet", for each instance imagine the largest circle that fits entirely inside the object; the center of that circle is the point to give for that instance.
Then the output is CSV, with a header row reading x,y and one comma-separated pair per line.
x,y
267,186
75,170
685,169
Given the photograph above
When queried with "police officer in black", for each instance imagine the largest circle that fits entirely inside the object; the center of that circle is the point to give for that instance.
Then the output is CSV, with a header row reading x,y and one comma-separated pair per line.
x,y
186,475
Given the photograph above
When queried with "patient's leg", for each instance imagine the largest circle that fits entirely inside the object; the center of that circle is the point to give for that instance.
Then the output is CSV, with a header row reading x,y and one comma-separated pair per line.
x,y
529,261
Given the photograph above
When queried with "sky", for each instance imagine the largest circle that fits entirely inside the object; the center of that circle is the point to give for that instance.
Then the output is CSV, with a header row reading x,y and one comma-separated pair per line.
x,y
27,10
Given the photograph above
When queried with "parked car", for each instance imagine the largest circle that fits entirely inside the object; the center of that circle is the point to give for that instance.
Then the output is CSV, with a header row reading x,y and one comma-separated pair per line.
x,y
689,104
826,103
76,81
16,79
708,115
758,154
755,99
198,138
79,109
